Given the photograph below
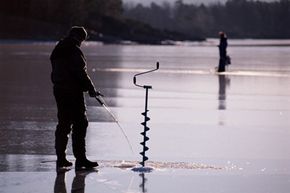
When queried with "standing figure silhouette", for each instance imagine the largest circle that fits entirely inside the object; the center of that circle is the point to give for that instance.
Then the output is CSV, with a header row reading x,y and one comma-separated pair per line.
x,y
222,52
70,81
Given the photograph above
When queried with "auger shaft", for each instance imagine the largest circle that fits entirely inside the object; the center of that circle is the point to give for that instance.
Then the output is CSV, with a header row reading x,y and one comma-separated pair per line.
x,y
146,119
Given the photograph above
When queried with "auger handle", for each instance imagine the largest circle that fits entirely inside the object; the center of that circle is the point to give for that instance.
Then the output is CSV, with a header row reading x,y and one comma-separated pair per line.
x,y
135,76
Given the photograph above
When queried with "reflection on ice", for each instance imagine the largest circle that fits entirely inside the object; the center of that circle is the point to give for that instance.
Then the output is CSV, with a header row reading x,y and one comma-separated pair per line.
x,y
224,82
231,176
199,72
78,184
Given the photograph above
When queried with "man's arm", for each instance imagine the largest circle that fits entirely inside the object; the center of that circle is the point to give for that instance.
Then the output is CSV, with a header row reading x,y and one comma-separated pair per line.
x,y
79,69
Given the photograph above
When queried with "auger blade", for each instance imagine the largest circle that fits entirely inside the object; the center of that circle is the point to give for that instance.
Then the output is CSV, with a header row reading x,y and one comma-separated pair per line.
x,y
144,142
142,163
144,123
143,155
144,113
145,158
144,132
147,119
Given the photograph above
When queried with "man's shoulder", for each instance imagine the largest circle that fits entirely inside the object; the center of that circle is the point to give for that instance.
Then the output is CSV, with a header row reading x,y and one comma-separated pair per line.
x,y
69,45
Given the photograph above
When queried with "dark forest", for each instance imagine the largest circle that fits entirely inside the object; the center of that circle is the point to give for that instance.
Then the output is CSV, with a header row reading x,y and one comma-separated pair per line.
x,y
239,18
112,21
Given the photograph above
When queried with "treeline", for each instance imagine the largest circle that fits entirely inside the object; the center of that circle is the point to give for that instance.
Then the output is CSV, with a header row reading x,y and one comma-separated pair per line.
x,y
238,18
111,21
49,19
66,12
57,14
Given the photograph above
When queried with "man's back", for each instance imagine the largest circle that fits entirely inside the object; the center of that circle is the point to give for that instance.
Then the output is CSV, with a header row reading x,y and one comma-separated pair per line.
x,y
69,66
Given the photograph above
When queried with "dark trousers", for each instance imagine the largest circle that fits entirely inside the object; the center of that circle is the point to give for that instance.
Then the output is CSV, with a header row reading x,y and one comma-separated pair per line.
x,y
71,117
222,65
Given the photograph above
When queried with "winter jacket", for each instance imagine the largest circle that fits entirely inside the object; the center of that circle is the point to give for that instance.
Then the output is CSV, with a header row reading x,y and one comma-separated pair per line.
x,y
69,68
223,48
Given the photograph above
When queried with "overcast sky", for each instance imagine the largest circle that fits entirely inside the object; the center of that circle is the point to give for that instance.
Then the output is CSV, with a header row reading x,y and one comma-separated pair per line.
x,y
147,2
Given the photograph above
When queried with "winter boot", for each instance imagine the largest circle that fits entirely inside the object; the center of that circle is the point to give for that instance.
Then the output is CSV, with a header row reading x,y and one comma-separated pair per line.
x,y
84,163
63,162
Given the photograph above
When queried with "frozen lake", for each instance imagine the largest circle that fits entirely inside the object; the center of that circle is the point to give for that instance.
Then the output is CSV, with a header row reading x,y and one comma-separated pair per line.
x,y
236,123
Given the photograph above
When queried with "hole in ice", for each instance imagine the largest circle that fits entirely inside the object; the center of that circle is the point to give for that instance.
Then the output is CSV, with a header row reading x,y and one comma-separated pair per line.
x,y
142,169
156,165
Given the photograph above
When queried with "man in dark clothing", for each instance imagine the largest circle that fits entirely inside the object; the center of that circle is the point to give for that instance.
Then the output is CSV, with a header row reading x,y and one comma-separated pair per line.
x,y
70,81
223,52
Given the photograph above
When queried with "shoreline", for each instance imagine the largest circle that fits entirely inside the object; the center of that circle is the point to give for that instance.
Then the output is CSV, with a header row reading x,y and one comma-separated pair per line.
x,y
208,42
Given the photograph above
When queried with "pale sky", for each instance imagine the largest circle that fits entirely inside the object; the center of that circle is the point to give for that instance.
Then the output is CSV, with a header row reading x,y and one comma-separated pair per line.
x,y
147,2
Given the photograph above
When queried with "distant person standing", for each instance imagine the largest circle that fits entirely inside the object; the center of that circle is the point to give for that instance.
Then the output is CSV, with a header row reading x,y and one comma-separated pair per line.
x,y
70,80
223,52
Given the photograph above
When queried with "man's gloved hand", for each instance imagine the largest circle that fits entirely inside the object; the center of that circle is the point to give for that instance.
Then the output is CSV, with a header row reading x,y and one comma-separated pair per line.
x,y
99,94
94,93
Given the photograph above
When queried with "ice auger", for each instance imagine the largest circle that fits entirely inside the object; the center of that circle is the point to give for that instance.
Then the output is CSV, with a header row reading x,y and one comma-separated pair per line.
x,y
146,118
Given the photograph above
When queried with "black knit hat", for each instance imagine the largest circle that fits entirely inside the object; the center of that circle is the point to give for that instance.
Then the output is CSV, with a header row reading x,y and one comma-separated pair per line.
x,y
78,32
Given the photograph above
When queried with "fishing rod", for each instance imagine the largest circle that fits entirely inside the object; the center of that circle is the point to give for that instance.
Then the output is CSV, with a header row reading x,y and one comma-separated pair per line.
x,y
102,102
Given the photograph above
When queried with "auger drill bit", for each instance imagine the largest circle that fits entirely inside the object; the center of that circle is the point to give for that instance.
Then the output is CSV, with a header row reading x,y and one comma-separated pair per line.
x,y
146,118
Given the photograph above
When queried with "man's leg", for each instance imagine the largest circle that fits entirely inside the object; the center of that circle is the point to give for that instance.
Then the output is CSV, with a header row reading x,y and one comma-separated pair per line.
x,y
222,65
61,140
63,128
79,138
79,131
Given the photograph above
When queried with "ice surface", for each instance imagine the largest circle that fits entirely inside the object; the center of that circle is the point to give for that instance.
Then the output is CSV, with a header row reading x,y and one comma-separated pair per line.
x,y
209,132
